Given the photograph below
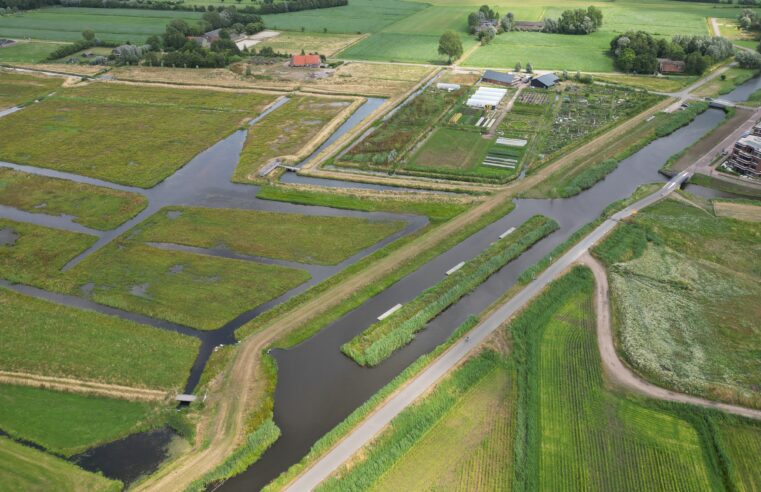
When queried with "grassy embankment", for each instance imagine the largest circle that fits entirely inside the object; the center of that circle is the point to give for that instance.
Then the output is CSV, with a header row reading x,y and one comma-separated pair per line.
x,y
588,170
736,188
726,82
384,337
663,83
17,89
40,337
25,468
307,239
683,283
68,423
91,206
285,132
126,134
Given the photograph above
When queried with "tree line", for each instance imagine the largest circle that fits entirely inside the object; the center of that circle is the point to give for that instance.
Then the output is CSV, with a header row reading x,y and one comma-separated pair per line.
x,y
265,7
577,21
638,52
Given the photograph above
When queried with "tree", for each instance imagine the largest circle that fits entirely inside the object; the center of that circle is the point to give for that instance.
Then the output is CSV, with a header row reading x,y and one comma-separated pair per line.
x,y
695,63
529,68
88,34
518,66
486,34
450,45
748,59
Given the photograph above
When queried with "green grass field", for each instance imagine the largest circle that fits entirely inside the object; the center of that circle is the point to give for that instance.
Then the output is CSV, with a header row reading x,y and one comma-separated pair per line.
x,y
697,278
546,52
126,134
743,445
302,238
573,433
453,150
92,206
25,468
18,89
725,84
360,16
67,24
40,337
34,255
67,423
199,291
26,51
285,132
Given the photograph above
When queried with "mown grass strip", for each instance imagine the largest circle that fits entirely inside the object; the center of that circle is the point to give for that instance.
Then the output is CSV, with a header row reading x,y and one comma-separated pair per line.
x,y
381,339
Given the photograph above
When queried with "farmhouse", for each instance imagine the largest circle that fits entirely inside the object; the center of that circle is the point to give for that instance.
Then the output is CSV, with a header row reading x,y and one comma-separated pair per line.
x,y
666,65
545,81
498,78
746,155
528,26
311,61
486,97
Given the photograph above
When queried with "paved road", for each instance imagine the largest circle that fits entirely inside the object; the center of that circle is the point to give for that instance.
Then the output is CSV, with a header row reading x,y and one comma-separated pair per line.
x,y
422,383
622,375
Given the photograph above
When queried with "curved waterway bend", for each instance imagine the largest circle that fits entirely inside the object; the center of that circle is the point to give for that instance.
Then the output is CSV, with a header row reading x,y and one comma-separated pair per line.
x,y
318,386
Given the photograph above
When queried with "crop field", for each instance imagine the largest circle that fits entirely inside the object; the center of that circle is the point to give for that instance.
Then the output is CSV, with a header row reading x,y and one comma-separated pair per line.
x,y
285,132
67,423
26,51
31,254
198,291
427,423
585,110
18,89
40,337
25,468
126,134
310,42
91,206
743,445
697,276
469,448
309,239
395,136
573,432
67,24
360,16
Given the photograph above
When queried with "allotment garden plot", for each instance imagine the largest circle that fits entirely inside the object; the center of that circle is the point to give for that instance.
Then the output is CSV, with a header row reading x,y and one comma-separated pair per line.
x,y
126,134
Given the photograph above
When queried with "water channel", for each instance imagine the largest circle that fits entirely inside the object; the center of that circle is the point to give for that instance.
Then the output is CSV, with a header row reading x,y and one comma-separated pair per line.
x,y
317,385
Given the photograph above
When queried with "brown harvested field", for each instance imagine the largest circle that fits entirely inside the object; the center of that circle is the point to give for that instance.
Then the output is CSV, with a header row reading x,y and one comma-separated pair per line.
x,y
460,77
372,79
740,211
311,42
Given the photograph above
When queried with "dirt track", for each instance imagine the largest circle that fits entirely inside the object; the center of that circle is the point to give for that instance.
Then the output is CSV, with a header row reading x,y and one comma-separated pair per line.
x,y
620,374
82,386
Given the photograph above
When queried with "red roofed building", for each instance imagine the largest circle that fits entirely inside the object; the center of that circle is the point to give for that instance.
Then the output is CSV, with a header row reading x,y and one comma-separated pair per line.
x,y
312,61
670,66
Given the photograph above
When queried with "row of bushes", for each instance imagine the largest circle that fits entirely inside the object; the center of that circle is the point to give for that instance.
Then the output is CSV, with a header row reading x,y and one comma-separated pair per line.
x,y
588,177
381,339
256,444
679,119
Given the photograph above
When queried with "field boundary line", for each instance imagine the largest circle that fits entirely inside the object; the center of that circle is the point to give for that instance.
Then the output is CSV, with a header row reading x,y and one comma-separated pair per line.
x,y
82,386
620,374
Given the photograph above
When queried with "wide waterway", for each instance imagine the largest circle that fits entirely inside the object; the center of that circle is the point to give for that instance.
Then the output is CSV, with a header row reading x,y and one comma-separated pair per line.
x,y
318,386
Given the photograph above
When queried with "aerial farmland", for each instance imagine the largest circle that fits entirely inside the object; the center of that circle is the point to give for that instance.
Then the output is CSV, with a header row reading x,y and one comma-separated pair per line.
x,y
346,245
